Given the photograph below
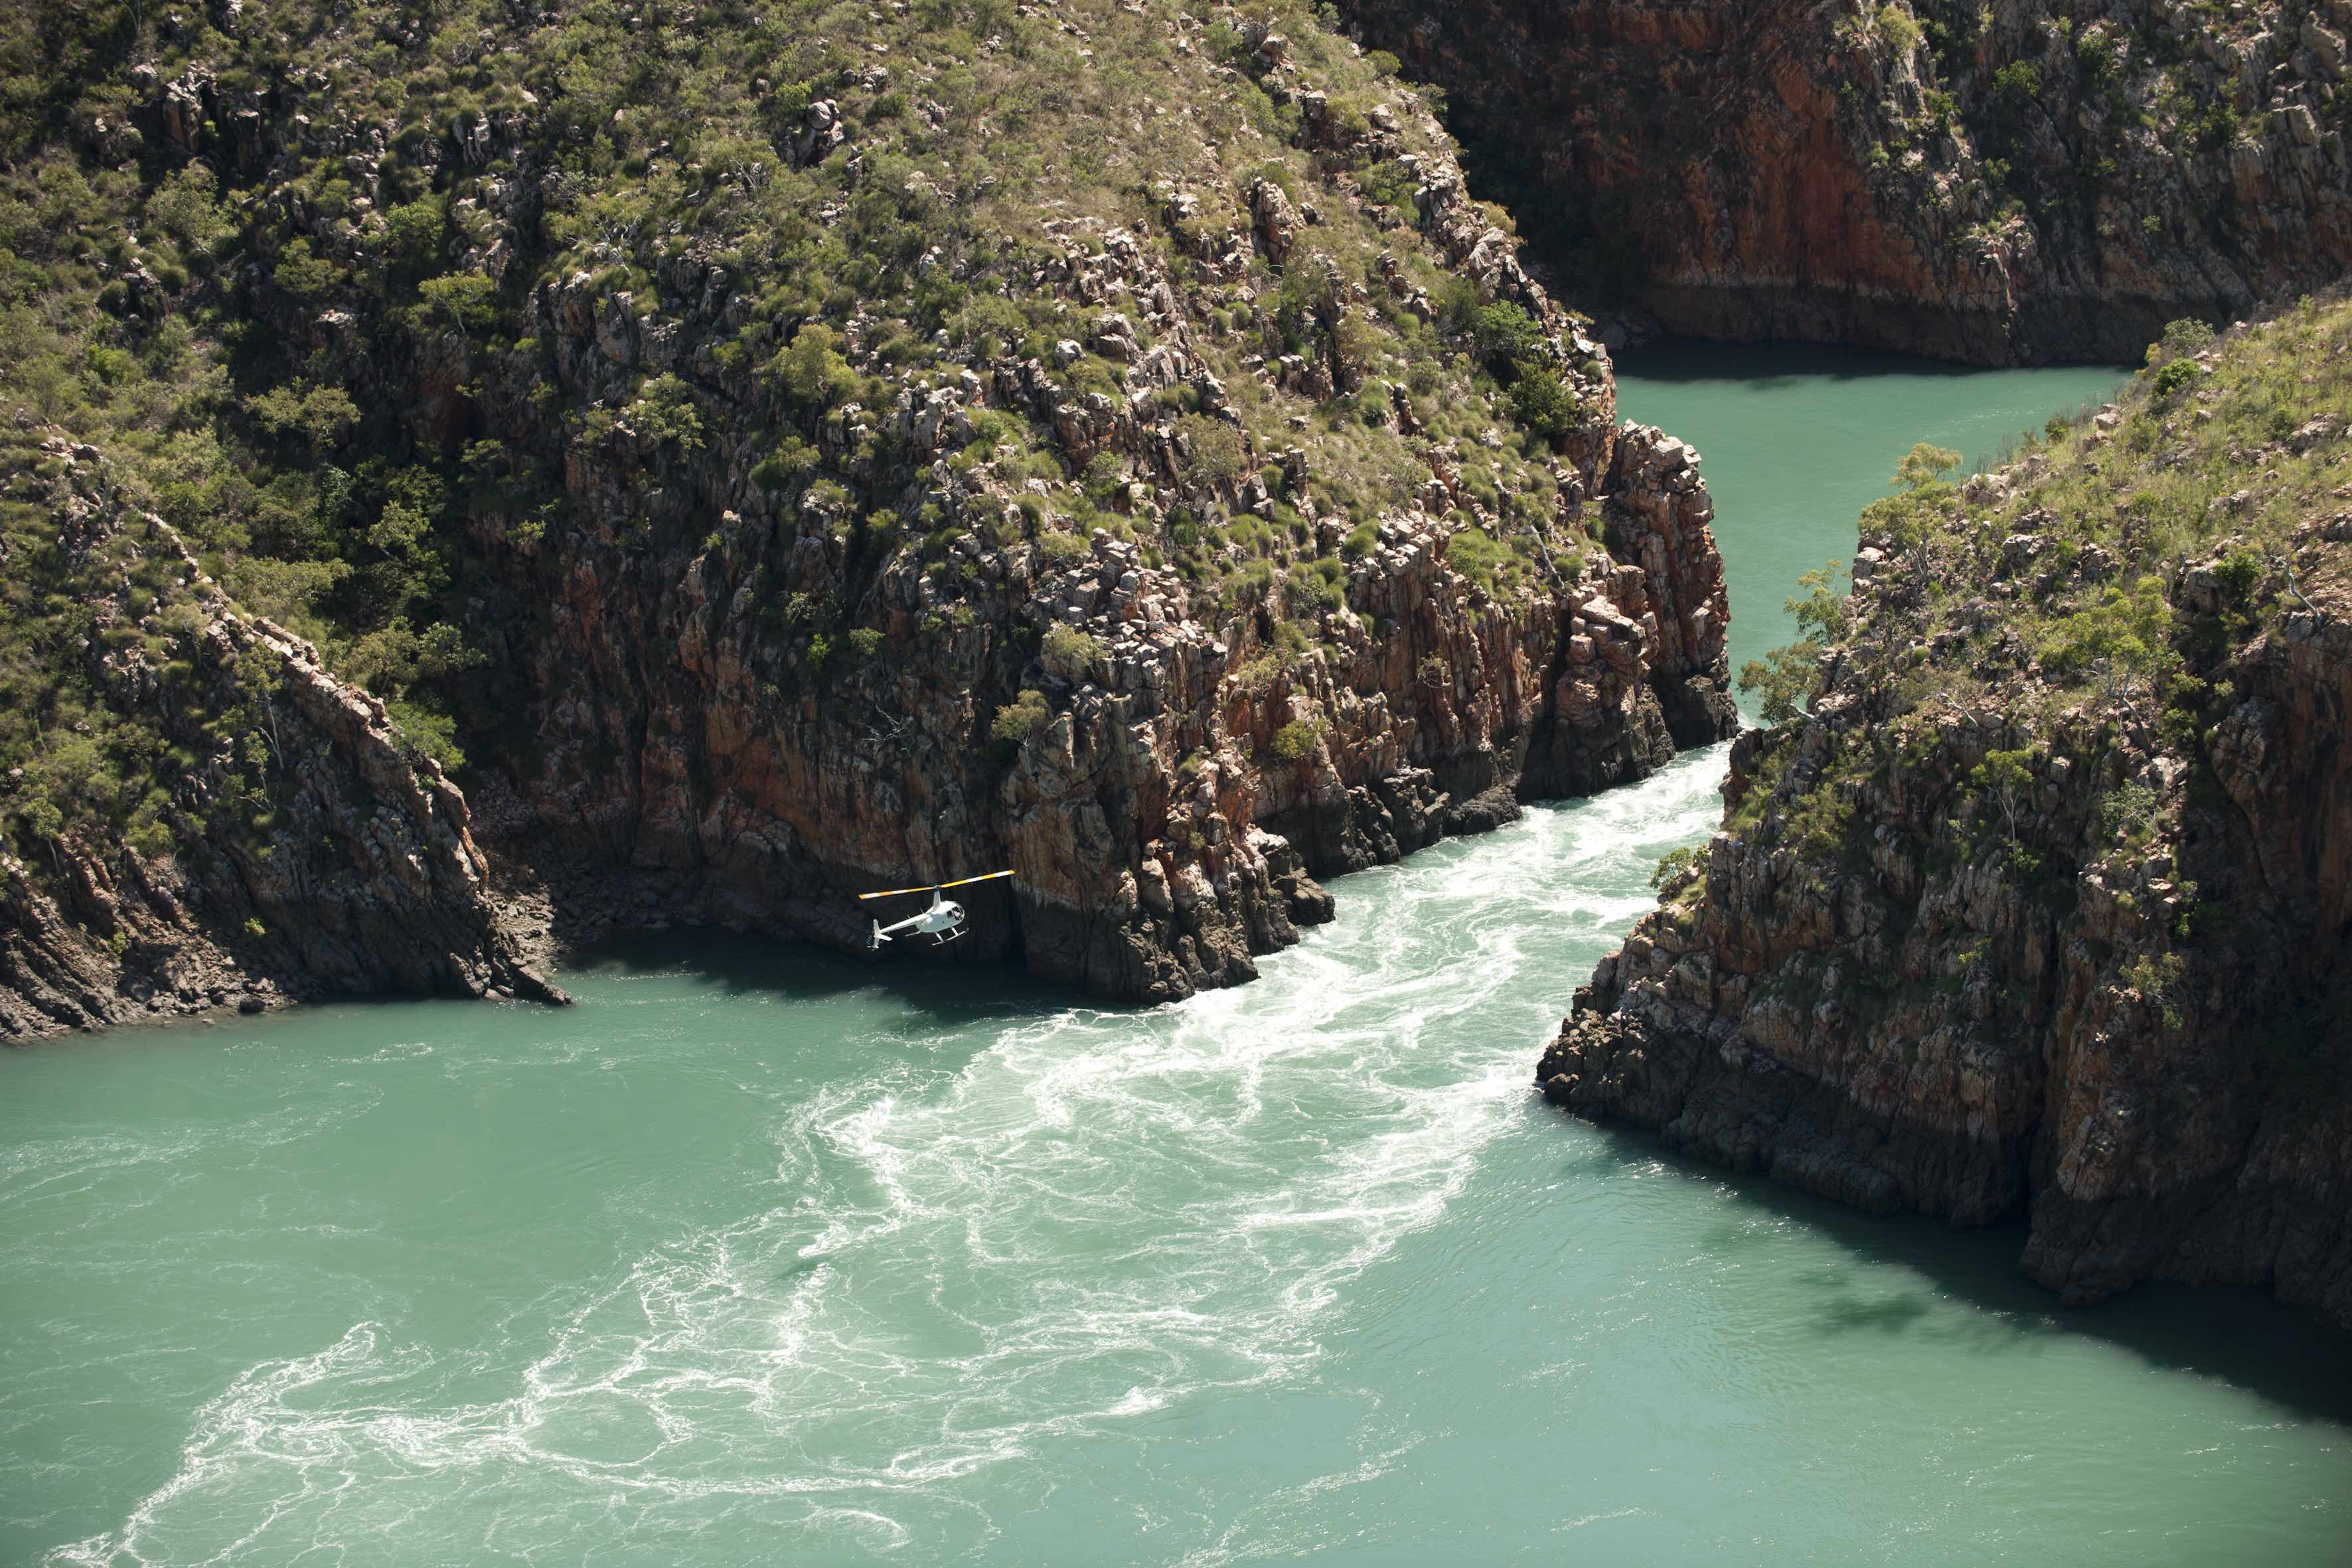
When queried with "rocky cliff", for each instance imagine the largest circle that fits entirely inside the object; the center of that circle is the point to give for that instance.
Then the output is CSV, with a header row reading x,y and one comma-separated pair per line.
x,y
1110,445
299,847
2042,906
2002,182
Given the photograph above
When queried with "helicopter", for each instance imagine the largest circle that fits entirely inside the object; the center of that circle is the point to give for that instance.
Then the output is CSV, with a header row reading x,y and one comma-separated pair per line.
x,y
942,921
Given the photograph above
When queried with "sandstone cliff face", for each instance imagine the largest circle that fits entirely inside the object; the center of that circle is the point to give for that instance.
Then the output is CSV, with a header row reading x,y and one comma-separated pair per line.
x,y
1239,513
1197,764
2003,183
1971,942
315,854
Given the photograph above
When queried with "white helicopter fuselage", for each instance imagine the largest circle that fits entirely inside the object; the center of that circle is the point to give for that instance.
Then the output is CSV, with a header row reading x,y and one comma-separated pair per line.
x,y
942,923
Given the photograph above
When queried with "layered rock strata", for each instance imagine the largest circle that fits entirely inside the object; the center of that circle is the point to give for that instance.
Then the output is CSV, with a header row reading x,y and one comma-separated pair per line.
x,y
2000,184
1978,940
317,854
761,605
1194,775
1201,762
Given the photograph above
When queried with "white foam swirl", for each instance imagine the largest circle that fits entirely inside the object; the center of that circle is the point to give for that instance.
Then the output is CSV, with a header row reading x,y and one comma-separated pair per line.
x,y
1101,1217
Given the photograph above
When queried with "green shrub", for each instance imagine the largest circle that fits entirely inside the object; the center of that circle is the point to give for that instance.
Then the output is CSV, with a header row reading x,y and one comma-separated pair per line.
x,y
1505,336
791,458
1022,718
1296,742
1475,555
2238,574
1214,452
428,731
1675,863
1782,680
1064,644
1542,401
465,300
664,412
415,232
302,274
1322,583
2173,377
810,370
2127,814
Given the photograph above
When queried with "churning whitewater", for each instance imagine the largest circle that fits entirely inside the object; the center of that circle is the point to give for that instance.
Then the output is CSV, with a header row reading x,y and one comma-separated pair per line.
x,y
1100,1214
762,1256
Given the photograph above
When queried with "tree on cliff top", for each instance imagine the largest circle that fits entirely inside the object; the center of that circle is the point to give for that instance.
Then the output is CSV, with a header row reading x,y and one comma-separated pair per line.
x,y
1782,682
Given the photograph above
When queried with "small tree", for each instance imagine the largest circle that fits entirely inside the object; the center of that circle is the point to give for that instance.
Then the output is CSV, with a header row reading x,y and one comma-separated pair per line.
x,y
1020,718
2005,778
1542,401
465,300
664,412
1926,465
1213,452
1782,680
1505,335
810,370
1296,742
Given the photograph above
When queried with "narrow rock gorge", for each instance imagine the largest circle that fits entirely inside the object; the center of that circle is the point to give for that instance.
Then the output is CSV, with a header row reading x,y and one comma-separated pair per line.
x,y
2041,906
2000,184
805,495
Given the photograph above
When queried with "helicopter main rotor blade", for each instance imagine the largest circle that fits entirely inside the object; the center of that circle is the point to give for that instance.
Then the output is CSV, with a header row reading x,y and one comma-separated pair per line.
x,y
932,887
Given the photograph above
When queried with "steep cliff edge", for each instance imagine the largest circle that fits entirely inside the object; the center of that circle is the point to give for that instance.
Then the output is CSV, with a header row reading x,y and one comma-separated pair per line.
x,y
2044,904
2003,182
778,457
287,843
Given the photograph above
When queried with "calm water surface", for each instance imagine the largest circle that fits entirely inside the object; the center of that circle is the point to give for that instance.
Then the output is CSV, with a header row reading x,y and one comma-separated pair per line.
x,y
760,1258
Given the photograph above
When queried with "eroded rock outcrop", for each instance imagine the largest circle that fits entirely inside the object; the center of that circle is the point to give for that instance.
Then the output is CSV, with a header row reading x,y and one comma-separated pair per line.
x,y
2044,905
812,493
1187,751
2004,183
312,852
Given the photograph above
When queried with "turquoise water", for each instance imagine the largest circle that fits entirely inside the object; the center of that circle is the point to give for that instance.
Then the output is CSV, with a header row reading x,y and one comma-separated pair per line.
x,y
759,1256
1796,438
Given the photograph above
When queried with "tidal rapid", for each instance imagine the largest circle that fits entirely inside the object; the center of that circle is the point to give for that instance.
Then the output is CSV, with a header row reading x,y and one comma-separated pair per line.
x,y
756,1256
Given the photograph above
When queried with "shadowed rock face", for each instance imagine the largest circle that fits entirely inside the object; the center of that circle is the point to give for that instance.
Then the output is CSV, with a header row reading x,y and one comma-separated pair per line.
x,y
1195,772
367,878
1195,767
751,650
1994,190
1974,942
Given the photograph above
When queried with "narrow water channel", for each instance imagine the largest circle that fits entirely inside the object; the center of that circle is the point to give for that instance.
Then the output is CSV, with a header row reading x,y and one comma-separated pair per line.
x,y
749,1260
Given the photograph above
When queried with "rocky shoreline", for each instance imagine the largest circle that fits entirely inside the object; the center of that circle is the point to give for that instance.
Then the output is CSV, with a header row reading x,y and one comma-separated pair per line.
x,y
748,635
2003,183
370,880
2032,914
